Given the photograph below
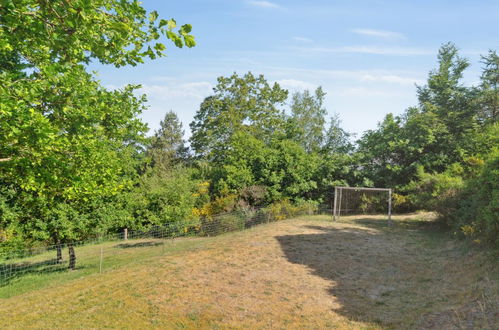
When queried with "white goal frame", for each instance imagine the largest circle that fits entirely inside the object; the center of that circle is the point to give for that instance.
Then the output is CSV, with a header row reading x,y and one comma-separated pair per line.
x,y
338,192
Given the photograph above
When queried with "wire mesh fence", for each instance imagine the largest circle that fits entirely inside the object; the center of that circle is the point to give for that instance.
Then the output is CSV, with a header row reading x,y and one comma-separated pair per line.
x,y
115,249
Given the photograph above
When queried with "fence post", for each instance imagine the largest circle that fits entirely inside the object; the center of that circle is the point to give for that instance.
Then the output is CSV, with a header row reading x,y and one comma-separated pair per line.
x,y
390,207
100,263
335,200
125,234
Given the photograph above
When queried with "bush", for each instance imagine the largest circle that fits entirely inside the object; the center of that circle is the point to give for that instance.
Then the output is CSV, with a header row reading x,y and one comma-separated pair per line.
x,y
477,212
402,203
469,206
437,192
164,197
285,209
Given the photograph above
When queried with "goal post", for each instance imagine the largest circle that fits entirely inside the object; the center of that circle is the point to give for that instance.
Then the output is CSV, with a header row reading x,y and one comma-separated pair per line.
x,y
362,200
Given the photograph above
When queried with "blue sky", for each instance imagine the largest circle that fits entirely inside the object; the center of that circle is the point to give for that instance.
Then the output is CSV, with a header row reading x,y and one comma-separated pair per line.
x,y
367,55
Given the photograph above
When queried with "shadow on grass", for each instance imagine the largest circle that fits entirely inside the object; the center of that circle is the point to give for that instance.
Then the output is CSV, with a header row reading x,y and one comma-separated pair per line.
x,y
374,273
137,245
384,224
10,271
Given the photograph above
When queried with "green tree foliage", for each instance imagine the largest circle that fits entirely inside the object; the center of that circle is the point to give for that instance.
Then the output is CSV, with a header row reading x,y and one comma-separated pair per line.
x,y
168,146
477,213
488,99
163,197
244,156
65,141
283,167
338,169
434,153
444,129
289,171
112,31
69,141
452,103
466,199
337,140
306,124
241,131
248,104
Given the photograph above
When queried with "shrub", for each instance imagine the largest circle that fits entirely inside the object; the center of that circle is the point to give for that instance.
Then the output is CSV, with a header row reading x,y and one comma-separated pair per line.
x,y
469,206
477,211
165,197
285,209
437,192
402,203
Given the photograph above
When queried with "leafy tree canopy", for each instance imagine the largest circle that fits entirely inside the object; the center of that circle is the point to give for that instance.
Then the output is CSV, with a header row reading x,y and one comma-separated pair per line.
x,y
308,119
248,103
111,31
65,139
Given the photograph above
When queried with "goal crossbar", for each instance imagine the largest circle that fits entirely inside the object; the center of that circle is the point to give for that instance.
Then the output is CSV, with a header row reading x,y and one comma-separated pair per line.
x,y
362,188
338,195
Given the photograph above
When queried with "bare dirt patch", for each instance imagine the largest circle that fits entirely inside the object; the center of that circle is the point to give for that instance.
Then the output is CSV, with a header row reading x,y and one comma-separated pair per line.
x,y
301,273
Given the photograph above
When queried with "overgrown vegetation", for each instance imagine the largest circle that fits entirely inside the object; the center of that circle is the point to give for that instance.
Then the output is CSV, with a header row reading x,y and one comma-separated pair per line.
x,y
75,162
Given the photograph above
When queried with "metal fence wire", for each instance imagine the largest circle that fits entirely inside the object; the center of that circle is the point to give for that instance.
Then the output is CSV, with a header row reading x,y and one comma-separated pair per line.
x,y
90,253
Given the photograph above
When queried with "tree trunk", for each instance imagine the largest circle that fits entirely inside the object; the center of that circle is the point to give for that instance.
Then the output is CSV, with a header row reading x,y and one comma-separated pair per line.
x,y
72,256
59,252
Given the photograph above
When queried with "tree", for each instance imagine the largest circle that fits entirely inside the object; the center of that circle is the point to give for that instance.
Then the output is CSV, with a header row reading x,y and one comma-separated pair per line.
x,y
337,140
167,145
488,99
288,171
67,140
308,119
248,104
442,130
111,31
70,141
453,105
379,151
239,167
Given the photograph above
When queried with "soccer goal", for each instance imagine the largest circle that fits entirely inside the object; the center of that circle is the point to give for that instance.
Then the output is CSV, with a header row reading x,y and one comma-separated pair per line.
x,y
361,200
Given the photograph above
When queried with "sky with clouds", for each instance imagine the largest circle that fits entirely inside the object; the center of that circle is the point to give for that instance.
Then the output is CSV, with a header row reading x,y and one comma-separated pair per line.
x,y
367,55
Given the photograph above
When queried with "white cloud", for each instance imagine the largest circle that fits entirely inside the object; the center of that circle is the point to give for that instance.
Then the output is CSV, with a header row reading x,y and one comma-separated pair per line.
x,y
397,51
196,90
302,39
391,78
296,85
387,50
379,33
264,4
183,97
364,92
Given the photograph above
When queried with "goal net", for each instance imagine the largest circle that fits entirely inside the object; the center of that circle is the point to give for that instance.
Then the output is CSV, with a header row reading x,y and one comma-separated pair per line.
x,y
361,200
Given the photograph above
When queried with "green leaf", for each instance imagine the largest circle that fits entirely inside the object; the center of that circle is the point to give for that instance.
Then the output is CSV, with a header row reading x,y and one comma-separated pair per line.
x,y
171,24
186,28
153,16
159,47
189,41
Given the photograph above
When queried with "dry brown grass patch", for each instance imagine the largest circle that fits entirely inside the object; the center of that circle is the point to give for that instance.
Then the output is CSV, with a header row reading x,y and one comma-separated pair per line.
x,y
302,273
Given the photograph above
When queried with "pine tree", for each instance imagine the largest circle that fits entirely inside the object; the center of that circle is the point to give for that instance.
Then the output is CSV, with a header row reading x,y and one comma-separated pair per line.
x,y
168,145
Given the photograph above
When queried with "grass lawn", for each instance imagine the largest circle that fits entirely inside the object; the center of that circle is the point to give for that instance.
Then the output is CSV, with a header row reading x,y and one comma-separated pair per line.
x,y
307,272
